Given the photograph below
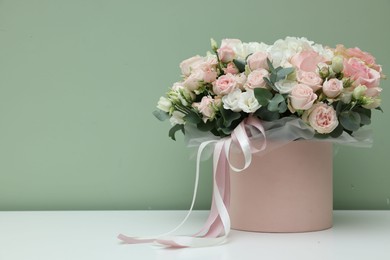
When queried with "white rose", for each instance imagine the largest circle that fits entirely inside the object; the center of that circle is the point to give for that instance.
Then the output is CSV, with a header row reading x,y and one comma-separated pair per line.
x,y
252,47
285,86
177,118
164,104
247,102
231,100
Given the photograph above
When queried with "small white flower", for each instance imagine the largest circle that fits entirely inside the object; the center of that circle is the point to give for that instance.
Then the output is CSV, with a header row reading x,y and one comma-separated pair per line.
x,y
285,86
177,118
230,101
247,102
164,104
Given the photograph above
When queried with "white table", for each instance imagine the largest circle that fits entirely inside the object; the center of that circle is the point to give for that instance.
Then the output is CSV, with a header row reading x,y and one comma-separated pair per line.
x,y
57,235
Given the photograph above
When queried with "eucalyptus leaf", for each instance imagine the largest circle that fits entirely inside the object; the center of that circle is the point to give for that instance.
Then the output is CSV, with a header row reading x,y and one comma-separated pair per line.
x,y
268,82
192,117
240,65
263,96
350,120
282,107
379,108
281,74
365,115
337,131
205,127
174,129
267,115
273,104
229,116
160,115
270,66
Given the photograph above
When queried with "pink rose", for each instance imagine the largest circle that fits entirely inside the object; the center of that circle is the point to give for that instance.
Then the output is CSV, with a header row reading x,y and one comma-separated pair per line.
x,y
302,97
226,53
205,107
256,79
307,60
332,88
373,92
188,65
364,56
194,81
230,68
229,49
322,118
258,60
241,80
310,79
358,71
210,72
224,84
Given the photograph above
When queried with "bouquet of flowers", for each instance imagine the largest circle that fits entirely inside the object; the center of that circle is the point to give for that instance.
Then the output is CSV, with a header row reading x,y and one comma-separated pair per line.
x,y
242,93
332,90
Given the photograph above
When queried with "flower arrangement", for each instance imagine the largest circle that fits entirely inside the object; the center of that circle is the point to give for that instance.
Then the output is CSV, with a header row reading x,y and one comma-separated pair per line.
x,y
332,90
243,93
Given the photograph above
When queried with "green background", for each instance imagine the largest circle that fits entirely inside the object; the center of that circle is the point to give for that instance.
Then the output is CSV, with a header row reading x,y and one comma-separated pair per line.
x,y
79,80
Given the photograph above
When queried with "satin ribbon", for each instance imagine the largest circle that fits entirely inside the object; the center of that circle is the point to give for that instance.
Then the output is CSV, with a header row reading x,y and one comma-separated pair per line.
x,y
217,226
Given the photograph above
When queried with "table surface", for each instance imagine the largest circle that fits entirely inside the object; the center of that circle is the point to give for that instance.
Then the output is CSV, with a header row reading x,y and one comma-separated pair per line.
x,y
58,235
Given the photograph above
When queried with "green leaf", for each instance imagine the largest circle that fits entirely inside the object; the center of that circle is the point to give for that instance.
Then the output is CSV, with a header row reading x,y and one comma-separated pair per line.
x,y
240,65
174,129
192,117
160,115
379,108
267,115
337,131
273,104
269,83
281,74
270,66
263,96
350,120
282,107
205,127
229,116
365,115
338,107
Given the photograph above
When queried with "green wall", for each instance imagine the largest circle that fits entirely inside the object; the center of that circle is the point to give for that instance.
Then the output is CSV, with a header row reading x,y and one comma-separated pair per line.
x,y
80,78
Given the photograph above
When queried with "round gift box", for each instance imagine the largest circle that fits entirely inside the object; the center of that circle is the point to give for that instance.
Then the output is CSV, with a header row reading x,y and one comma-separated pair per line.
x,y
286,189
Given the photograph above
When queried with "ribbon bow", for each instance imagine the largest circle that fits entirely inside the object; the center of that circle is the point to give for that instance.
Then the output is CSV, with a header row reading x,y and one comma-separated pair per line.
x,y
217,226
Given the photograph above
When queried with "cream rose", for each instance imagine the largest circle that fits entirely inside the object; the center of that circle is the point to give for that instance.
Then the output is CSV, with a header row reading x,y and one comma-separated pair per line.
x,y
302,97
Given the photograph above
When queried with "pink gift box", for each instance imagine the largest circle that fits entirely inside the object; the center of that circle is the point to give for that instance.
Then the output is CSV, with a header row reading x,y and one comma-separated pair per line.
x,y
288,189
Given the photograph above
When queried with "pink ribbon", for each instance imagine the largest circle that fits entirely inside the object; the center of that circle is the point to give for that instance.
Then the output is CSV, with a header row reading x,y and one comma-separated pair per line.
x,y
217,226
